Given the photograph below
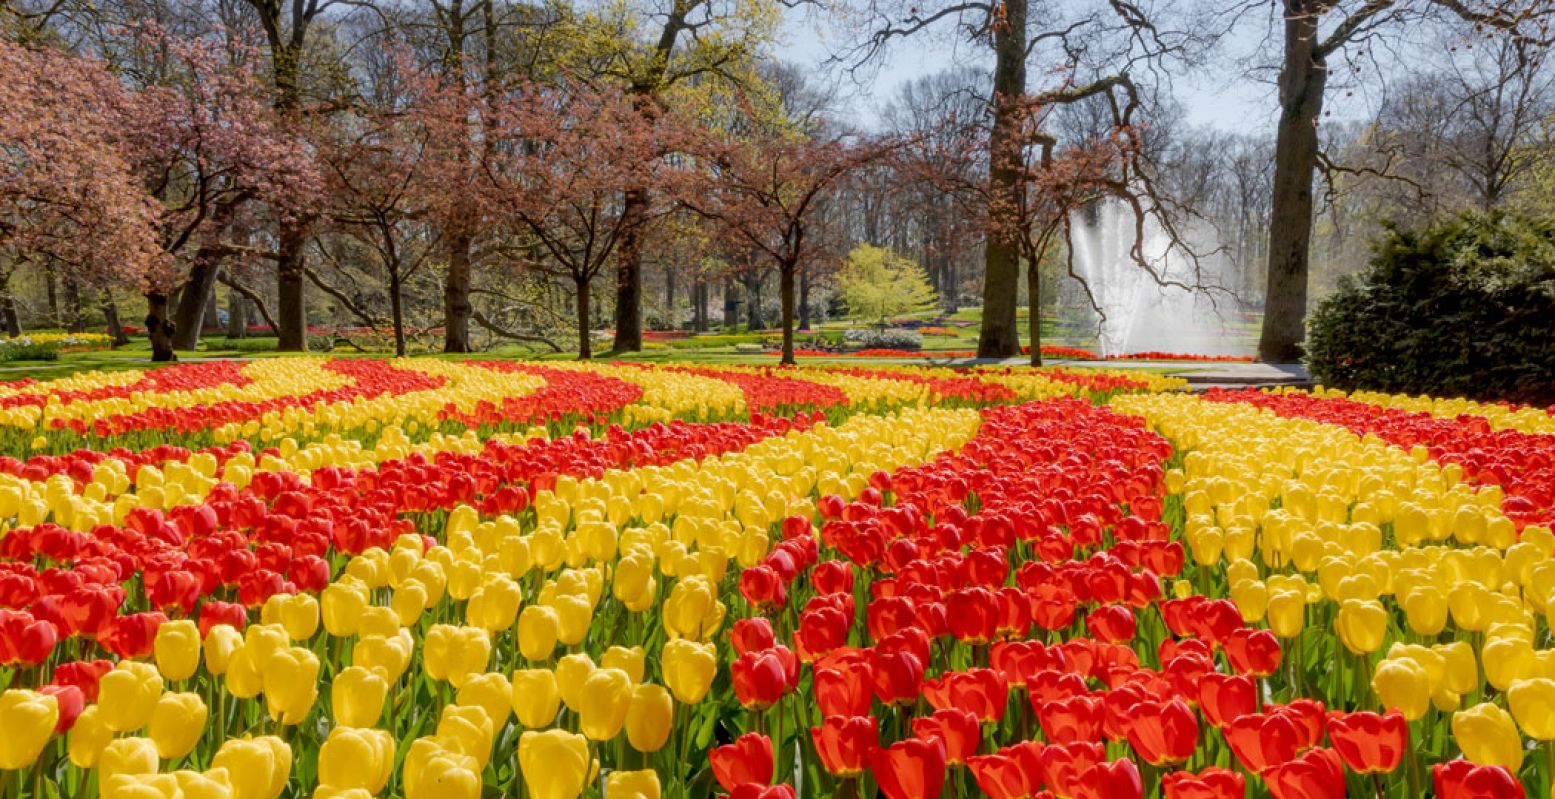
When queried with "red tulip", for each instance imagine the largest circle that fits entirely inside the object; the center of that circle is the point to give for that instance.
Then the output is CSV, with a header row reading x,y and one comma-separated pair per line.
x,y
957,728
974,615
1369,743
1263,740
1255,652
131,636
910,769
1116,780
1001,776
24,639
1052,607
83,674
1224,697
832,577
845,744
1048,686
983,692
1317,774
846,689
1072,720
821,630
1014,613
752,635
1062,764
898,677
763,587
1460,779
751,790
70,701
1309,717
1111,623
1211,783
1164,733
747,761
213,613
760,679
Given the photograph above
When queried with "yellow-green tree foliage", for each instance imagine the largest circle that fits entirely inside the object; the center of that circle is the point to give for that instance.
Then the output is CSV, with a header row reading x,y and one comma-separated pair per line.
x,y
878,284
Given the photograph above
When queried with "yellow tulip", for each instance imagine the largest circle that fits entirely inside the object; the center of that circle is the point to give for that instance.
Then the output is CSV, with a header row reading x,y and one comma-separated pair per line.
x,y
693,610
468,730
689,669
1533,706
127,756
1488,736
258,767
1362,625
536,699
141,786
538,627
214,784
28,719
1251,598
455,653
631,660
555,763
342,604
177,723
606,698
357,697
291,679
492,692
221,642
353,757
571,672
494,605
634,583
298,614
409,601
128,694
177,649
1460,674
632,784
573,614
88,737
1403,685
1426,610
649,717
387,655
1507,660
1287,613
434,772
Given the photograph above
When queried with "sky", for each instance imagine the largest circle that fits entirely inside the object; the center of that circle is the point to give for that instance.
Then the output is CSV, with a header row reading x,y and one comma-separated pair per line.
x,y
1235,104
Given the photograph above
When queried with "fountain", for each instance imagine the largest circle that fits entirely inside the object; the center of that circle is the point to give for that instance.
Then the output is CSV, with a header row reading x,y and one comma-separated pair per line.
x,y
1142,315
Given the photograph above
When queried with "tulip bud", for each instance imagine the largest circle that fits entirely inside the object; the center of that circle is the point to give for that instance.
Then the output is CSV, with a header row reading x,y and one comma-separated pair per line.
x,y
357,696
177,649
631,660
571,672
606,697
555,763
221,642
128,694
298,614
435,772
127,756
632,784
649,717
28,719
1487,736
491,692
291,680
538,627
1362,625
1403,685
88,737
356,758
468,730
495,604
259,768
456,653
342,605
536,699
689,669
176,725
1533,706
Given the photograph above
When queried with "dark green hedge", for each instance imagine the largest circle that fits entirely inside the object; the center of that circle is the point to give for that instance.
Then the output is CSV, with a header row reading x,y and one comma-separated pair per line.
x,y
1464,308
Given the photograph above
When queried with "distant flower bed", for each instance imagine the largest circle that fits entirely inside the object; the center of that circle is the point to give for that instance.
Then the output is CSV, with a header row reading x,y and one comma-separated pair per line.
x,y
1065,353
48,346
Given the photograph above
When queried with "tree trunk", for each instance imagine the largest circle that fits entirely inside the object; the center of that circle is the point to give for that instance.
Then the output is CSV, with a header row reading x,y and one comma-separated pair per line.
x,y
292,311
111,317
158,328
1034,314
237,315
786,296
1001,255
456,296
629,271
75,317
804,299
189,314
585,346
53,295
1302,79
753,320
397,312
671,322
13,323
731,304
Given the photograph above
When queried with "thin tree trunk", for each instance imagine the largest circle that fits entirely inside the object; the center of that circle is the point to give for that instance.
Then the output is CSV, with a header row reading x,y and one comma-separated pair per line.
x,y
786,291
585,346
731,304
753,320
1034,313
13,323
189,314
1001,255
670,320
237,315
75,317
1302,80
53,295
456,296
397,312
804,299
111,317
629,271
158,328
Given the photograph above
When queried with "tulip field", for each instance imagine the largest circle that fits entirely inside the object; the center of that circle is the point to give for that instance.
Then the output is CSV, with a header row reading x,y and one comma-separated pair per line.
x,y
353,578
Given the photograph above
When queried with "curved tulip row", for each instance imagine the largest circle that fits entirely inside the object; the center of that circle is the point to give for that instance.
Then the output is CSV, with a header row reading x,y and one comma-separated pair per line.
x,y
1392,582
1501,415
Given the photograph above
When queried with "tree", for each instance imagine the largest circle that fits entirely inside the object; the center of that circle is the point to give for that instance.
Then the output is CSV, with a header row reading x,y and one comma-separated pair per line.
x,y
69,194
1314,32
765,188
1094,51
569,152
878,284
